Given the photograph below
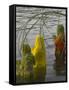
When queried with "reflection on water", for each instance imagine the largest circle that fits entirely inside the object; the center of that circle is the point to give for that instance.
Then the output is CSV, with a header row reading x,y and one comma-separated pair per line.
x,y
47,24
